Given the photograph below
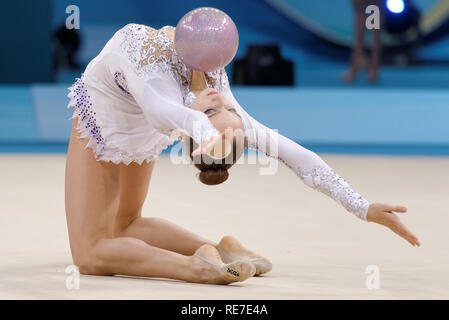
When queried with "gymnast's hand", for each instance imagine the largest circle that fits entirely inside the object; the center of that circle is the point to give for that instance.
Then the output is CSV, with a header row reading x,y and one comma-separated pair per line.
x,y
218,146
383,214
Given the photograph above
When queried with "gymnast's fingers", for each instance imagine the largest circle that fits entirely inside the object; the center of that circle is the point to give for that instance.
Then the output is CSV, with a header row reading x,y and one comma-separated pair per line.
x,y
206,147
391,208
400,229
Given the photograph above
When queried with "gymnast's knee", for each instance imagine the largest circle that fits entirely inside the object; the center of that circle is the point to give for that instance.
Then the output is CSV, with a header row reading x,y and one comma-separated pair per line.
x,y
90,263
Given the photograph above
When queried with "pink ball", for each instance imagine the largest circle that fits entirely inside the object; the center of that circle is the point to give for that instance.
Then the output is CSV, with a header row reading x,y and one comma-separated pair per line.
x,y
206,39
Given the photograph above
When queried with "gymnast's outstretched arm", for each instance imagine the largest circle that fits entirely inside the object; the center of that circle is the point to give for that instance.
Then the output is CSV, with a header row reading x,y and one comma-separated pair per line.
x,y
315,173
310,168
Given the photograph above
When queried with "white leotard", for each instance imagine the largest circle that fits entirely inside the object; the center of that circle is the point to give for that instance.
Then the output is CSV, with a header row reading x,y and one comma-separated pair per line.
x,y
135,93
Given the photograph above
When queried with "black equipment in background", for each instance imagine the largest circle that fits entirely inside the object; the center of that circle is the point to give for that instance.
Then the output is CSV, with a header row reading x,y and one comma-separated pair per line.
x,y
405,33
401,22
65,47
263,65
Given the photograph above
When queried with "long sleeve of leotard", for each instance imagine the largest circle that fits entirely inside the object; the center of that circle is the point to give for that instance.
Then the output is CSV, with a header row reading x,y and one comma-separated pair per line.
x,y
310,168
160,99
145,61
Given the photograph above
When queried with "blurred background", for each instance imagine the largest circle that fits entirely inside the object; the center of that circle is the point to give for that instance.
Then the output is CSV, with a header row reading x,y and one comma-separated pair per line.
x,y
287,72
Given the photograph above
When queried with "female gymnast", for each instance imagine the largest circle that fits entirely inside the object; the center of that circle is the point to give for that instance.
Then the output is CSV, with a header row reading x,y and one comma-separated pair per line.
x,y
127,104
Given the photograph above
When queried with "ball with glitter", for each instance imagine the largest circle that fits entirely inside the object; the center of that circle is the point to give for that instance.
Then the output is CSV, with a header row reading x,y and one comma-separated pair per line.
x,y
206,39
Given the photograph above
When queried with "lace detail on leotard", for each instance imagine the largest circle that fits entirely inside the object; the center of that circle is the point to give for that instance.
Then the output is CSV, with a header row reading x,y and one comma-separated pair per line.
x,y
189,99
323,179
327,181
218,80
152,50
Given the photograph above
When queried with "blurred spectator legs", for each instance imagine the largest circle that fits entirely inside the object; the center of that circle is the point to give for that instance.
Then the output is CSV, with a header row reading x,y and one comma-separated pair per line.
x,y
359,59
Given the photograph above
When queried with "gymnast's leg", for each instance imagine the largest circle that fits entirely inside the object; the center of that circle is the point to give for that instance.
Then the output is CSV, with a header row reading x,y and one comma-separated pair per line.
x,y
134,183
164,234
157,232
92,202
133,257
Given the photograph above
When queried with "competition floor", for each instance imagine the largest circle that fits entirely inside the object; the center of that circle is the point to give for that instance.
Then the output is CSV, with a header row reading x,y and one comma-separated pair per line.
x,y
318,250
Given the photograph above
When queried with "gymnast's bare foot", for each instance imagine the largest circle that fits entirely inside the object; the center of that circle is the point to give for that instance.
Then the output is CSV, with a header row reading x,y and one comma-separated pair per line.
x,y
231,249
213,270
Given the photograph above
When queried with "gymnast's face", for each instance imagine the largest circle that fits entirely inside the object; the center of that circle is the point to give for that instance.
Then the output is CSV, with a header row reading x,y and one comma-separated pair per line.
x,y
219,110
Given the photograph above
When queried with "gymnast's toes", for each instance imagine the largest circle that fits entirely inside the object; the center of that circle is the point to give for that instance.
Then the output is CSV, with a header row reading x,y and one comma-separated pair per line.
x,y
262,265
231,249
213,270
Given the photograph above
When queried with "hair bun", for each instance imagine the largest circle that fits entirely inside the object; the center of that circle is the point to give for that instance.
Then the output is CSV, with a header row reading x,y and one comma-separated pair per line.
x,y
213,176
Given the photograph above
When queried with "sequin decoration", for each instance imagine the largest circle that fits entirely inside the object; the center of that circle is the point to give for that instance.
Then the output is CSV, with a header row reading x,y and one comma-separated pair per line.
x,y
80,99
120,81
89,129
327,181
189,99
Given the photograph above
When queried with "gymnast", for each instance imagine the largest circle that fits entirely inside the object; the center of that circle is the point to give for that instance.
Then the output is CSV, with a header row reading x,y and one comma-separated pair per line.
x,y
130,103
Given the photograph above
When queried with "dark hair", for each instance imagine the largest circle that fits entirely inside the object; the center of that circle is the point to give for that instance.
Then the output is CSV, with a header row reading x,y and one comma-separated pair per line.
x,y
214,170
